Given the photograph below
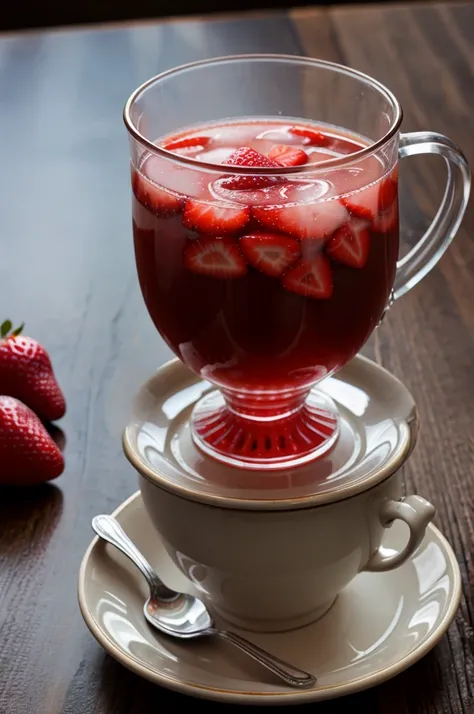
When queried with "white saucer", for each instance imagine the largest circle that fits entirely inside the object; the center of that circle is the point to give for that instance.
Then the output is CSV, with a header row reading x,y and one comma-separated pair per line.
x,y
380,625
378,430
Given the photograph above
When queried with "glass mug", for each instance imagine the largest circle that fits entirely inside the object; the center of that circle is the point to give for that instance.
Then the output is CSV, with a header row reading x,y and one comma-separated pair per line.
x,y
265,220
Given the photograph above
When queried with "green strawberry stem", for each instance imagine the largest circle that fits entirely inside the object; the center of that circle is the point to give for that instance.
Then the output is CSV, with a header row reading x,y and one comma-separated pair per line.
x,y
6,329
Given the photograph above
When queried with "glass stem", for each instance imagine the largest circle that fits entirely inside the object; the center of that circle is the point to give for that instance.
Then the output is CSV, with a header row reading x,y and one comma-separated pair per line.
x,y
265,406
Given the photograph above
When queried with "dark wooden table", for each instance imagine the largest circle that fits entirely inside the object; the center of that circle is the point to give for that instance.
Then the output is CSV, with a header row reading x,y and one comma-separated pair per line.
x,y
67,269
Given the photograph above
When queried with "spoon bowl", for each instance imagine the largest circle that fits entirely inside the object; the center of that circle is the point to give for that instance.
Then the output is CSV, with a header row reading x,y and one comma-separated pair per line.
x,y
183,614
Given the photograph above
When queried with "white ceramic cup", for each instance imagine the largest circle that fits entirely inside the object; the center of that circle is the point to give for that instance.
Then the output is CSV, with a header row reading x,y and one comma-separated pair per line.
x,y
273,570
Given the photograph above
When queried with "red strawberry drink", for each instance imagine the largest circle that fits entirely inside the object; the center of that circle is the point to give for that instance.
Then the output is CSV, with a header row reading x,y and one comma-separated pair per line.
x,y
265,283
267,244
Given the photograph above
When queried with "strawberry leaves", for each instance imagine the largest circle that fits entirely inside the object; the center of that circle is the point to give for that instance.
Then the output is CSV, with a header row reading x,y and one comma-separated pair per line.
x,y
6,327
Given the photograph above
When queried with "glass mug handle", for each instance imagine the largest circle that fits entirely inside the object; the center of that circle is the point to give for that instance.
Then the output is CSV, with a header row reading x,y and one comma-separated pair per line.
x,y
431,246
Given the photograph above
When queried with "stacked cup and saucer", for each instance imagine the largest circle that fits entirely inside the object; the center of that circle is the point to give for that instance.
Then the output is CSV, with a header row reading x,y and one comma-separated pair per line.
x,y
269,452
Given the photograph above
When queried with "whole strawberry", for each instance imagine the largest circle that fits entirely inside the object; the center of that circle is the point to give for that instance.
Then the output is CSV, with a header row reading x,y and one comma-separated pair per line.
x,y
27,374
28,455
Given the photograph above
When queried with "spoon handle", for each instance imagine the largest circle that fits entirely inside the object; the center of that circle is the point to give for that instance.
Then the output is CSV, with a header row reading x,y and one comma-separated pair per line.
x,y
291,675
109,529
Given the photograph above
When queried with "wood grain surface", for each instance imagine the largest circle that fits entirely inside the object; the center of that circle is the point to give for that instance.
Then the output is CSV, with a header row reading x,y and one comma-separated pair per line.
x,y
67,269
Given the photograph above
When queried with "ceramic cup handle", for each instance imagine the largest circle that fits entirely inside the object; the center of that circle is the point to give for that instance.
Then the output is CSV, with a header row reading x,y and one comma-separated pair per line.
x,y
416,512
431,246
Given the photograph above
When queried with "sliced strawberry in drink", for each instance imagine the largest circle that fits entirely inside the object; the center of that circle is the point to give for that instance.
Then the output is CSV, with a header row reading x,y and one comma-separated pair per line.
x,y
214,219
388,221
157,200
271,253
388,193
363,204
350,244
288,155
315,221
187,142
375,199
311,278
245,156
217,257
162,185
310,136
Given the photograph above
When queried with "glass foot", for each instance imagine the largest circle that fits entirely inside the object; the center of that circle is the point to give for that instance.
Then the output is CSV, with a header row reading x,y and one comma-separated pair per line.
x,y
296,438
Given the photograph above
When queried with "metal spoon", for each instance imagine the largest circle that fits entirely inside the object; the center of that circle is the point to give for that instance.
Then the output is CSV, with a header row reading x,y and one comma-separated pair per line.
x,y
185,616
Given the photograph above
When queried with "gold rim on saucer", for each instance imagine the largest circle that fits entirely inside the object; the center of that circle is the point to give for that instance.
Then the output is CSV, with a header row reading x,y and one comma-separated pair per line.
x,y
409,611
